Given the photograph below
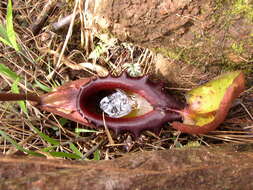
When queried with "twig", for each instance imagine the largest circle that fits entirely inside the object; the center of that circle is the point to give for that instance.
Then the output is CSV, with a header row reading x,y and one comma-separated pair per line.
x,y
87,66
42,17
245,108
16,97
62,22
176,140
111,142
67,19
68,34
93,149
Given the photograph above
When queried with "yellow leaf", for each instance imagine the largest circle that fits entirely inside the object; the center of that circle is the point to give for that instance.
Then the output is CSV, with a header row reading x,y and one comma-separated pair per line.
x,y
207,98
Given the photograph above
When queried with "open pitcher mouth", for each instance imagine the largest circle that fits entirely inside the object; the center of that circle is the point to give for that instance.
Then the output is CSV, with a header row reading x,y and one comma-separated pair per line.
x,y
114,103
126,103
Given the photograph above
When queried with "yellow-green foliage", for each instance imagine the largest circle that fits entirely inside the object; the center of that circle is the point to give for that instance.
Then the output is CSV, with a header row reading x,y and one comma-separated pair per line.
x,y
171,54
243,7
207,98
237,48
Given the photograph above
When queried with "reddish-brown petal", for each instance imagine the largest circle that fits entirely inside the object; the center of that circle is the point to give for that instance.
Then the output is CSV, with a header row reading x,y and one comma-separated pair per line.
x,y
62,101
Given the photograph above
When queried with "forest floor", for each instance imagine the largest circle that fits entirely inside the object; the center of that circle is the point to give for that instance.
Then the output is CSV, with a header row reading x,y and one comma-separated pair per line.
x,y
48,58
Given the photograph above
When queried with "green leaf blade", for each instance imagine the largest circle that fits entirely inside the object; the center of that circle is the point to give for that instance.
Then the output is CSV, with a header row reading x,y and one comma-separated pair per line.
x,y
96,155
5,71
81,130
64,155
17,146
3,36
46,137
42,86
75,150
9,27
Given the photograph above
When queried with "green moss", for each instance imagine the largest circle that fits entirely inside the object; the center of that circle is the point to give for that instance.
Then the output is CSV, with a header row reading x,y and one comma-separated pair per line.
x,y
243,7
227,65
237,7
191,55
192,144
237,48
172,54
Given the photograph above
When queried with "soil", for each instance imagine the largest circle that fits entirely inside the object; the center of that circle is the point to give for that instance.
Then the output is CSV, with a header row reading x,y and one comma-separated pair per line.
x,y
204,32
226,167
185,43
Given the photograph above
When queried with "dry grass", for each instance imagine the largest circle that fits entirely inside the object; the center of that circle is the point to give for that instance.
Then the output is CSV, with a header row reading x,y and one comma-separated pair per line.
x,y
53,58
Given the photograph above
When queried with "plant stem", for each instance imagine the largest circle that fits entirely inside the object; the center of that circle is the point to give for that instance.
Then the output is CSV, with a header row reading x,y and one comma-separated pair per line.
x,y
16,97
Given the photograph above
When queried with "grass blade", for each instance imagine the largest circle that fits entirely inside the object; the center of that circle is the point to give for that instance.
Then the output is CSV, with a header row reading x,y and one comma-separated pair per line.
x,y
17,146
3,36
9,27
64,155
49,148
3,32
76,155
75,150
42,86
46,137
63,121
80,130
4,70
96,155
6,42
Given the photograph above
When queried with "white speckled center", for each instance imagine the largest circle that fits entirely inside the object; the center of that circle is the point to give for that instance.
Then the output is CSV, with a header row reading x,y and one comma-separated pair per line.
x,y
117,104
